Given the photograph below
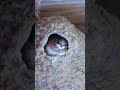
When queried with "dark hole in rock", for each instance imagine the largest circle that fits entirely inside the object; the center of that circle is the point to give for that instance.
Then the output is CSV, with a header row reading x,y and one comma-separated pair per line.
x,y
56,45
28,50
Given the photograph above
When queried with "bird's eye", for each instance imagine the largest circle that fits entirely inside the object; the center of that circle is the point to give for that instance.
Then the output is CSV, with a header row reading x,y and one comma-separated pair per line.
x,y
65,44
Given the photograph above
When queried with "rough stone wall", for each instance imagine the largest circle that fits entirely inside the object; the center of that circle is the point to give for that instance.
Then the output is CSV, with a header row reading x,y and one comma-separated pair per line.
x,y
59,72
102,49
16,20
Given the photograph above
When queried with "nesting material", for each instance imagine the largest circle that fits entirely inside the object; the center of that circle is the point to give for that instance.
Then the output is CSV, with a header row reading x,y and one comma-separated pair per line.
x,y
59,71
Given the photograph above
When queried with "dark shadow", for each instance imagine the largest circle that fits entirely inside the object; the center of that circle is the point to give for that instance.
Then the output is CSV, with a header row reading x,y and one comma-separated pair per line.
x,y
28,50
111,6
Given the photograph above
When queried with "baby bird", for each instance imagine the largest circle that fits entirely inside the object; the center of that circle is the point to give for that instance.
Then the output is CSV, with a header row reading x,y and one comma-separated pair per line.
x,y
56,45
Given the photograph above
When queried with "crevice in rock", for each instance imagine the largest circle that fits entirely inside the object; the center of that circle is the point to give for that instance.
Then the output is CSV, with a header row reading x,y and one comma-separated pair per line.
x,y
28,50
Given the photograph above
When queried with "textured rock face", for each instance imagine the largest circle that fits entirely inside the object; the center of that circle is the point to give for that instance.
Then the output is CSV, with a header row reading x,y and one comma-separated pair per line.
x,y
16,20
59,72
102,49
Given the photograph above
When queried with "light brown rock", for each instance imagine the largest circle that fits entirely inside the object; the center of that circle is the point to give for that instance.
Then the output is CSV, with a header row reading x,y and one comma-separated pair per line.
x,y
59,72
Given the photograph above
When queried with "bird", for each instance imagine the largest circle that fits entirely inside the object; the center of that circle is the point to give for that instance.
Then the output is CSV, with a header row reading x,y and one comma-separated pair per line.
x,y
56,45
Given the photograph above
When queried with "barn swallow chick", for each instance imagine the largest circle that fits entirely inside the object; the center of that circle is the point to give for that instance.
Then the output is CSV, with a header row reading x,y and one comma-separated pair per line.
x,y
56,45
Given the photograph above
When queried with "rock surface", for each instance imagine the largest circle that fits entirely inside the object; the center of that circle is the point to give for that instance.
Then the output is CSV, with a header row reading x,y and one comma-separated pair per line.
x,y
16,20
59,72
102,49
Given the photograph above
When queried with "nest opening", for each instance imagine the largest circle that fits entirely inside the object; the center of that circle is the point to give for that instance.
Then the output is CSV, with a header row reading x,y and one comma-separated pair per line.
x,y
56,45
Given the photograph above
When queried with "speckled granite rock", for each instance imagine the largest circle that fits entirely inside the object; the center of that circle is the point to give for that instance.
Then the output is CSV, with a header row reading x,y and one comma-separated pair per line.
x,y
59,72
102,49
16,20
